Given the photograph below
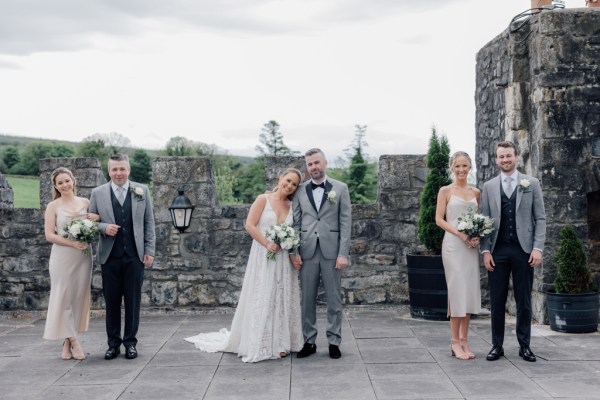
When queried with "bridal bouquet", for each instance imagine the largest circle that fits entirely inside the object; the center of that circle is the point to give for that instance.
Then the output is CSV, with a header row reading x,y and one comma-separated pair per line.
x,y
474,224
283,235
82,230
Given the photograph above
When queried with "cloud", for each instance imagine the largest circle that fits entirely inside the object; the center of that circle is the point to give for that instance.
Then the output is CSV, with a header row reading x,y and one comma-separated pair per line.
x,y
5,64
31,26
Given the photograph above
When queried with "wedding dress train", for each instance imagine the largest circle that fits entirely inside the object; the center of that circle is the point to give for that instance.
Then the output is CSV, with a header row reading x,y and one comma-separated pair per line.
x,y
267,320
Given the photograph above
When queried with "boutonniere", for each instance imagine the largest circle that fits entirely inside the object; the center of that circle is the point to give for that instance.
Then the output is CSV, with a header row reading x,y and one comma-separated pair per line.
x,y
331,197
524,185
137,191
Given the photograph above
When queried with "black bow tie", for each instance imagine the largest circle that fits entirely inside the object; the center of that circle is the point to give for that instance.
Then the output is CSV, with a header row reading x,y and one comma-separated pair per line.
x,y
315,185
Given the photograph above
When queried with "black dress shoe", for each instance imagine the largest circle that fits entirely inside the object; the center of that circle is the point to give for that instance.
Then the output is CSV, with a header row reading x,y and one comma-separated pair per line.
x,y
334,351
111,353
495,353
307,350
130,352
526,354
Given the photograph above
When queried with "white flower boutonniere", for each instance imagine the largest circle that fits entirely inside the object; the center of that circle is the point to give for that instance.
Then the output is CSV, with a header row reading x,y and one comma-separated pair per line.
x,y
331,197
137,191
524,185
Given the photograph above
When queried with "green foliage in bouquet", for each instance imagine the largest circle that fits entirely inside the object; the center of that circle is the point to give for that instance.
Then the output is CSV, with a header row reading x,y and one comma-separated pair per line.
x,y
438,157
573,276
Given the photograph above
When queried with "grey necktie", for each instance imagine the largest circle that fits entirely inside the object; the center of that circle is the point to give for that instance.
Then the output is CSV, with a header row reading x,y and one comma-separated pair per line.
x,y
508,186
121,194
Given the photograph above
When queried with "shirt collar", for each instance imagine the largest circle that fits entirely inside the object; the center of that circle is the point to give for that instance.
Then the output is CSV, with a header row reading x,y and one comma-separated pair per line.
x,y
514,175
114,186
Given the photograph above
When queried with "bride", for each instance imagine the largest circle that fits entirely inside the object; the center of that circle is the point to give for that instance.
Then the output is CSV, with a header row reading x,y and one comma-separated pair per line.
x,y
267,320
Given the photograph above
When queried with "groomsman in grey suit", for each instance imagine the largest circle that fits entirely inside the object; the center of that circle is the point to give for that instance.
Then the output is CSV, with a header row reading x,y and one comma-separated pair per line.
x,y
126,246
322,213
514,200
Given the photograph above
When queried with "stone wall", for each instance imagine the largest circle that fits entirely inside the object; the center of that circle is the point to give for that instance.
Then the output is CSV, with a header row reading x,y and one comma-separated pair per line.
x,y
24,251
6,193
540,87
204,266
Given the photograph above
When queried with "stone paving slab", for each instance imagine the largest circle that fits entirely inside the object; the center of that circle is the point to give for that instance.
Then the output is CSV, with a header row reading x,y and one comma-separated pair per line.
x,y
386,355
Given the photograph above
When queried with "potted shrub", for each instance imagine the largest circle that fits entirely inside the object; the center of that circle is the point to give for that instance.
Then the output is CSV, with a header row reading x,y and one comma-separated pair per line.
x,y
573,304
428,293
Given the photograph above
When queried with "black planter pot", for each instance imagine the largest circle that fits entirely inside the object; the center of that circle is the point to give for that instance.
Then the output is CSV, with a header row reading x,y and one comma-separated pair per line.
x,y
572,313
427,290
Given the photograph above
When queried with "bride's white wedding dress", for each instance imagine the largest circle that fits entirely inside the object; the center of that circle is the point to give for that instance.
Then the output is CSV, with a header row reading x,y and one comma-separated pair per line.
x,y
267,320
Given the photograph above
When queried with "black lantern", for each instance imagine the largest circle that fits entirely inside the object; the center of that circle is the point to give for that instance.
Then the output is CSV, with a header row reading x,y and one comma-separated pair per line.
x,y
181,211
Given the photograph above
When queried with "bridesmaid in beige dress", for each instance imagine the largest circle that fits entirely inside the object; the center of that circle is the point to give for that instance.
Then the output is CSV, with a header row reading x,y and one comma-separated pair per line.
x,y
459,254
70,269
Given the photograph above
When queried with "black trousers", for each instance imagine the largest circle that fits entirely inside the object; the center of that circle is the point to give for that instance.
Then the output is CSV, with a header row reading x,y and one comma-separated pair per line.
x,y
511,259
122,279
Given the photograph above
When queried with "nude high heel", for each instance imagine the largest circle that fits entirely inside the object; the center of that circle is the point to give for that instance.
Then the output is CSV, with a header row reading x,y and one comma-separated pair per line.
x,y
76,349
457,351
66,350
466,348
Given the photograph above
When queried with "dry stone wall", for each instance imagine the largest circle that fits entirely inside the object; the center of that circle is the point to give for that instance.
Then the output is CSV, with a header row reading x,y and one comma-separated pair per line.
x,y
204,266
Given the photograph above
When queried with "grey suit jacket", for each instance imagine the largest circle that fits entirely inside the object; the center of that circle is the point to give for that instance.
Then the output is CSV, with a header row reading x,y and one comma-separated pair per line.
x,y
530,218
143,220
331,225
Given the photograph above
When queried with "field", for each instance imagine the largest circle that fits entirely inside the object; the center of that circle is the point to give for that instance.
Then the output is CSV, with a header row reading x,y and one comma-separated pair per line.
x,y
26,191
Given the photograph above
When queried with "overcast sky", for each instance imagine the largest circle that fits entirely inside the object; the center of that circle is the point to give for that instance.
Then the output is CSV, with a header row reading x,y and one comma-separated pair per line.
x,y
216,70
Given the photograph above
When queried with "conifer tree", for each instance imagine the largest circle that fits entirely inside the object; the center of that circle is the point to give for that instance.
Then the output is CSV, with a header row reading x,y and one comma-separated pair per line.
x,y
573,276
272,141
438,157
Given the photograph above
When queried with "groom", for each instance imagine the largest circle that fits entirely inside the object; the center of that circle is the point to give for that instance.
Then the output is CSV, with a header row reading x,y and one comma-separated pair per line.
x,y
322,213
515,202
126,246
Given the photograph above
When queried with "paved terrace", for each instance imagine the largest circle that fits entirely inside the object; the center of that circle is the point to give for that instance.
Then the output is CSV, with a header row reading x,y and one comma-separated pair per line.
x,y
386,355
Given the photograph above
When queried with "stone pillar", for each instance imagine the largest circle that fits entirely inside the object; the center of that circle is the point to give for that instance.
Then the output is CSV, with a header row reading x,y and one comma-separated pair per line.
x,y
6,193
274,167
540,87
86,170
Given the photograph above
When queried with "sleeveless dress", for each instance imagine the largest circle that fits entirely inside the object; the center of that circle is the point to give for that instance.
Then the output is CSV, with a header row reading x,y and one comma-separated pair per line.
x,y
267,320
461,264
70,284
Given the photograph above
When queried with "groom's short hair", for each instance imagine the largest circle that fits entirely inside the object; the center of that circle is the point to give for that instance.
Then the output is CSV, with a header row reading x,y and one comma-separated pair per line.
x,y
314,151
119,157
507,145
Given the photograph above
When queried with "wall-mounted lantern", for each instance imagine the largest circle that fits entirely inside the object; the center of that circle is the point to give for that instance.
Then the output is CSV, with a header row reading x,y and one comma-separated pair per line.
x,y
181,211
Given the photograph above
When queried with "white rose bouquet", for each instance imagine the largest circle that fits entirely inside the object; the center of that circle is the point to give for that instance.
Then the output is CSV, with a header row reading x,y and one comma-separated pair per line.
x,y
283,235
474,224
82,230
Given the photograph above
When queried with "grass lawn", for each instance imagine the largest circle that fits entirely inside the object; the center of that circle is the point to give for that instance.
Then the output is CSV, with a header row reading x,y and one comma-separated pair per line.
x,y
26,191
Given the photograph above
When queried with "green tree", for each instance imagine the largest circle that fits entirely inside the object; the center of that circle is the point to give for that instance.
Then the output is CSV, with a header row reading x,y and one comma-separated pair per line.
x,y
360,178
10,156
573,275
141,167
95,148
178,146
226,182
29,164
250,181
272,141
115,142
438,157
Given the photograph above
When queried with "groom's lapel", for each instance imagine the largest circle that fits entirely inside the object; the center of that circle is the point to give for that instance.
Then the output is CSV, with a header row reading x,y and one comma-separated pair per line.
x,y
309,193
328,187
